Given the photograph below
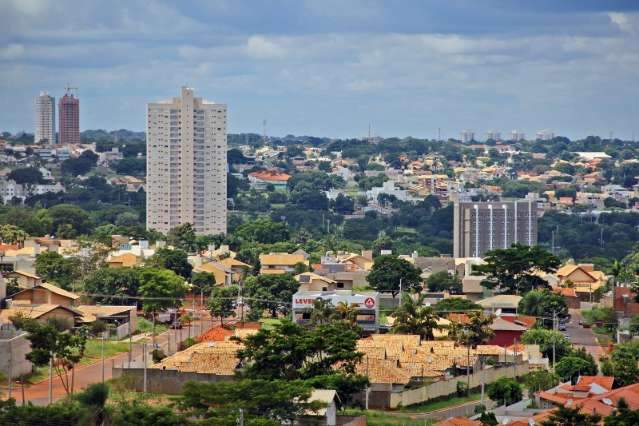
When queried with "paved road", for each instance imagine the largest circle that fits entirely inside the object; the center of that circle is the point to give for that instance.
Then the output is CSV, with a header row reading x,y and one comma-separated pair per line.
x,y
38,393
582,337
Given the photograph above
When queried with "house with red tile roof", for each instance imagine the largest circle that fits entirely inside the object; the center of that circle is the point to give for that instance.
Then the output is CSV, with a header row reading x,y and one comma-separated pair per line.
x,y
260,179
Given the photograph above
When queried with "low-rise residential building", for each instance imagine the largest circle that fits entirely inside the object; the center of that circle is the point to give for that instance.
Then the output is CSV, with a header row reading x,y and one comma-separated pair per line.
x,y
120,319
42,313
582,277
223,274
45,293
500,304
239,269
261,179
281,263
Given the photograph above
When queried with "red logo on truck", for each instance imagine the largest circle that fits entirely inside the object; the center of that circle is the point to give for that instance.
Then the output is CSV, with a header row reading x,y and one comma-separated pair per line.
x,y
369,302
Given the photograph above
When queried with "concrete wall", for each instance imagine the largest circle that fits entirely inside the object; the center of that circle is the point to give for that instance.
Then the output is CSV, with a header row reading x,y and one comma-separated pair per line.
x,y
13,350
442,388
163,381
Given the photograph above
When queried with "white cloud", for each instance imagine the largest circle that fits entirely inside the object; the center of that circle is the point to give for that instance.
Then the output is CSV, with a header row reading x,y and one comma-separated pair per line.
x,y
29,7
12,51
626,22
262,48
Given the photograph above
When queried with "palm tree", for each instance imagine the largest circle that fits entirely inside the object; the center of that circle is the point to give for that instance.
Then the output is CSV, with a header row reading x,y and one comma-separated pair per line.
x,y
475,332
412,317
323,311
532,304
616,269
347,312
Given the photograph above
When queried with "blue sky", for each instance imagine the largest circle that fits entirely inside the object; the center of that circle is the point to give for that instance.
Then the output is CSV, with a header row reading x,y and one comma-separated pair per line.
x,y
331,67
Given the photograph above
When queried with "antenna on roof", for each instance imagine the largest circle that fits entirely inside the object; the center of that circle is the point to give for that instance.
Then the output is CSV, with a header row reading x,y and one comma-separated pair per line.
x,y
68,89
264,131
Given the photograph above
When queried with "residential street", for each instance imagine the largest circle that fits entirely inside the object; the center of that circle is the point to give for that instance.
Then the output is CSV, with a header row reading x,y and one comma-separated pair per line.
x,y
89,374
582,337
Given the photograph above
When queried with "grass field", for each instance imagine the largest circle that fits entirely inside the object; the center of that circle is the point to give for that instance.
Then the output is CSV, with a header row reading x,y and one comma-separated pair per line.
x,y
383,418
92,352
439,404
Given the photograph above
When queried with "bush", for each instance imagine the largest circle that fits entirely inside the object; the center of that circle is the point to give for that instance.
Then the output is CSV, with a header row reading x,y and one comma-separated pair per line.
x,y
462,389
158,355
187,343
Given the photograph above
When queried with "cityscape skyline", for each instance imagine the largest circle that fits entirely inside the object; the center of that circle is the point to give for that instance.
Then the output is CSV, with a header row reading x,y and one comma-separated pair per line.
x,y
332,71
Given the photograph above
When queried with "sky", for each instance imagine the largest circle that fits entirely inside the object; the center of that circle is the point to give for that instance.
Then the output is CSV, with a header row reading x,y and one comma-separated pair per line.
x,y
332,67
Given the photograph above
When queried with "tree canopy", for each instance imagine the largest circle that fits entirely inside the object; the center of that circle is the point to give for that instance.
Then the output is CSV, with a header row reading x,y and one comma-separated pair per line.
x,y
388,271
515,270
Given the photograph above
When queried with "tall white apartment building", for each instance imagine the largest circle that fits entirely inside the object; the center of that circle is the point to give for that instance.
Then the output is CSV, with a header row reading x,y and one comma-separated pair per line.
x,y
45,118
186,164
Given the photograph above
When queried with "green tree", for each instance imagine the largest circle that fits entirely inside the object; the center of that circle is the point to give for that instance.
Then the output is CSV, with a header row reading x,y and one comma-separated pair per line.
x,y
545,339
263,402
571,367
634,325
131,166
56,342
162,289
622,416
183,237
344,204
52,266
81,165
222,302
456,304
270,292
26,176
622,364
505,391
94,397
68,221
306,197
302,352
59,413
113,285
565,416
387,273
539,380
543,304
307,354
443,281
203,282
174,260
488,419
413,317
11,234
514,270
136,413
263,231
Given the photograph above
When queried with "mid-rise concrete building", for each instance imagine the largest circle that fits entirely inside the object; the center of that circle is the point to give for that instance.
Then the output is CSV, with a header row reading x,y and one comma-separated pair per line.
x,y
480,227
186,164
45,119
69,117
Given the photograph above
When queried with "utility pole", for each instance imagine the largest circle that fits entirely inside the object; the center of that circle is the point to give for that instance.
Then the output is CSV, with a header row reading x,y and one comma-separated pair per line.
x,y
102,355
554,327
144,361
50,378
9,378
